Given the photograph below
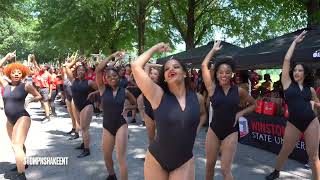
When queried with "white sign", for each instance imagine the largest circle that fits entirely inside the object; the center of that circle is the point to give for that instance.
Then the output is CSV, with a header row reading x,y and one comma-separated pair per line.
x,y
316,54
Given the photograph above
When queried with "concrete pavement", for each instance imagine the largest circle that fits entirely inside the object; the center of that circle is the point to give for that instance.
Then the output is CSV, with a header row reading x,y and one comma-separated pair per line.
x,y
51,140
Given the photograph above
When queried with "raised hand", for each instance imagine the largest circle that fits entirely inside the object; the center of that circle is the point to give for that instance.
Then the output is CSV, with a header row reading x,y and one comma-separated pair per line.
x,y
119,54
300,38
162,47
10,56
217,47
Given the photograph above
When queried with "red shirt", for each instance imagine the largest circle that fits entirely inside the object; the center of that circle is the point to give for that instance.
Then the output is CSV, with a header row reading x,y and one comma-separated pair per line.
x,y
44,79
91,76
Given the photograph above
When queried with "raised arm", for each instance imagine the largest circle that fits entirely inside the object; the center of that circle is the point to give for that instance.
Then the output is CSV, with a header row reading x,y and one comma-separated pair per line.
x,y
206,74
100,69
68,67
34,62
151,90
8,57
285,78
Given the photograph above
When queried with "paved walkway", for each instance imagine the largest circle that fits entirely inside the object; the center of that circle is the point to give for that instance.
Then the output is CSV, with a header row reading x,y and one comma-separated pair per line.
x,y
51,140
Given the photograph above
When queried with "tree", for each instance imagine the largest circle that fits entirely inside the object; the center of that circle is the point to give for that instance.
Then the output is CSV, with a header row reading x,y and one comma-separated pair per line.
x,y
89,26
256,20
192,19
313,11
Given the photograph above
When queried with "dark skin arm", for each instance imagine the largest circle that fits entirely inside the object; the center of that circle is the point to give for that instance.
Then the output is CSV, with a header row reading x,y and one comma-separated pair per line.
x,y
32,90
131,98
8,57
203,113
315,102
245,98
100,69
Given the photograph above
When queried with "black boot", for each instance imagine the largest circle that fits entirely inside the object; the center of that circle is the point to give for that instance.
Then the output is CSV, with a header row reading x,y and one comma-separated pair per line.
x,y
16,168
72,131
86,152
112,177
20,176
74,136
81,146
274,175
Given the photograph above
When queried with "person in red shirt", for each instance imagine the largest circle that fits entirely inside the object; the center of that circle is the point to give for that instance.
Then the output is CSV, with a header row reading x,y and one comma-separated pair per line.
x,y
90,75
44,82
53,90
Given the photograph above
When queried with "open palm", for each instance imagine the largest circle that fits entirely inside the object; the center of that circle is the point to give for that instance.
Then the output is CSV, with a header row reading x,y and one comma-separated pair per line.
x,y
217,46
300,37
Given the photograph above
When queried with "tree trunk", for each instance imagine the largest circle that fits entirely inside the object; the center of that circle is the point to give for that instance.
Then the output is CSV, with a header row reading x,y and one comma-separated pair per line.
x,y
191,25
313,11
141,23
81,50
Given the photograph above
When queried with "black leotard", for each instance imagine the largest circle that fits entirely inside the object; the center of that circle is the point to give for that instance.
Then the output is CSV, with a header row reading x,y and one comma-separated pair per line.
x,y
67,89
225,108
80,91
14,102
112,109
148,108
299,106
176,130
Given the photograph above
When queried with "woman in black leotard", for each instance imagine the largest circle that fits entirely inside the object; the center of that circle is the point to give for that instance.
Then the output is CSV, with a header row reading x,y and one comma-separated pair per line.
x,y
18,119
178,112
145,109
81,89
115,127
299,96
225,99
70,106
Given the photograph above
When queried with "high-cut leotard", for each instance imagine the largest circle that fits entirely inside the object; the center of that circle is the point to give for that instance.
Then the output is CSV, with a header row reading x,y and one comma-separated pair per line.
x,y
299,106
112,109
148,108
80,91
176,130
225,108
14,102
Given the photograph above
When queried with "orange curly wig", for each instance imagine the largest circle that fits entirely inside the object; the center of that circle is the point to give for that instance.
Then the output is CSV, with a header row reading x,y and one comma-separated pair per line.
x,y
24,69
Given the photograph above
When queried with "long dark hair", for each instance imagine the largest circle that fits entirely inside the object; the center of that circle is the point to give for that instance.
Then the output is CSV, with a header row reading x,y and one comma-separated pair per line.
x,y
308,77
164,84
228,60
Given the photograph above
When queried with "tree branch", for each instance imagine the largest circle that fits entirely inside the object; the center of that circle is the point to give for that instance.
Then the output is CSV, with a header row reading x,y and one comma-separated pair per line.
x,y
201,34
205,10
175,20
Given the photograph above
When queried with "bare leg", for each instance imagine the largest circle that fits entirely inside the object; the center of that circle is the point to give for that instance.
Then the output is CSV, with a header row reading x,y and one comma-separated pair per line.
x,y
121,145
108,141
19,135
228,150
311,136
85,119
290,139
186,171
212,148
153,170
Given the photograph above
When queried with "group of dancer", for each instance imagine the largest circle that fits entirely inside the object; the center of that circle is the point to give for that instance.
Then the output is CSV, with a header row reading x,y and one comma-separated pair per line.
x,y
172,111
